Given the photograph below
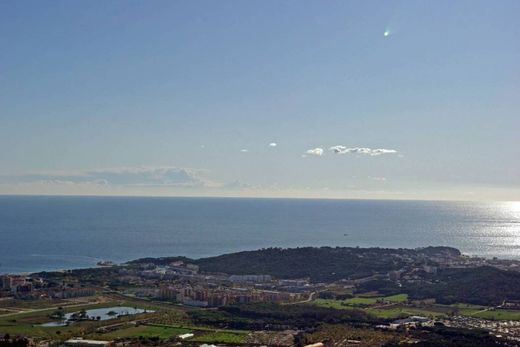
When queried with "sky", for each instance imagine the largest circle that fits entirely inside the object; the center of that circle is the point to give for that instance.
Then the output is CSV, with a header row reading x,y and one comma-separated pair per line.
x,y
335,99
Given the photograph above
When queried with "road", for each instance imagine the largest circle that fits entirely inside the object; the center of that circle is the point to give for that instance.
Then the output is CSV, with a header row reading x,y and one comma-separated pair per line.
x,y
309,299
22,311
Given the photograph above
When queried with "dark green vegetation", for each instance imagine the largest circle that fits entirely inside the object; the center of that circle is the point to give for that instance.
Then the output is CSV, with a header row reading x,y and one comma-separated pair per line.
x,y
481,286
438,336
323,264
162,332
441,336
94,276
8,341
277,317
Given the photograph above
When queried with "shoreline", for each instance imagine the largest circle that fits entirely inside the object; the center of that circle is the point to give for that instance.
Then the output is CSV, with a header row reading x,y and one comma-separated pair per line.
x,y
124,262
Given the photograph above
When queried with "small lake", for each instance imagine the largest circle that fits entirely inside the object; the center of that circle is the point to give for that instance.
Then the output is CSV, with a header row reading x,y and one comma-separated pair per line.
x,y
105,313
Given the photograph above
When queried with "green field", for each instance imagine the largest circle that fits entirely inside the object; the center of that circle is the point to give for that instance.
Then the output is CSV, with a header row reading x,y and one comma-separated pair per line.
x,y
468,306
376,306
498,315
360,301
486,312
221,337
388,307
162,332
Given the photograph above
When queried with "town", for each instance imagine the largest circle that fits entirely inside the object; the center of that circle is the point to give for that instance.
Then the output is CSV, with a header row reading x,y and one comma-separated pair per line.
x,y
238,299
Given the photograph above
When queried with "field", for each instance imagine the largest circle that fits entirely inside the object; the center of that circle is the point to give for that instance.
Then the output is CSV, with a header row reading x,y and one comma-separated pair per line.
x,y
202,334
388,307
163,332
221,337
360,301
391,307
166,322
487,313
28,322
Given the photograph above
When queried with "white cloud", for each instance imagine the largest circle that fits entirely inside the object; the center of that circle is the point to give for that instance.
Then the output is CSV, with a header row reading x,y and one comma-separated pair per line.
x,y
315,151
379,151
243,150
339,149
273,144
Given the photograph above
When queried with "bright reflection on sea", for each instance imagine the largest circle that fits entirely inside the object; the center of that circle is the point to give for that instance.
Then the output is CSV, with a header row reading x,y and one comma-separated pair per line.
x,y
499,232
513,207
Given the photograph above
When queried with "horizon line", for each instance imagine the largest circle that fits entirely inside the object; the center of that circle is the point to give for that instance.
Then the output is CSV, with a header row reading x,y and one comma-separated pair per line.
x,y
246,197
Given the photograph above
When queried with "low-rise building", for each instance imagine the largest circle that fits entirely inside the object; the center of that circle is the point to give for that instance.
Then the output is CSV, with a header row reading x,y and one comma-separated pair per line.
x,y
86,343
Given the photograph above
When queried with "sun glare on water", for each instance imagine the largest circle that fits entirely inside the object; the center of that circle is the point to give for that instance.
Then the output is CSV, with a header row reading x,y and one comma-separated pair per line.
x,y
514,208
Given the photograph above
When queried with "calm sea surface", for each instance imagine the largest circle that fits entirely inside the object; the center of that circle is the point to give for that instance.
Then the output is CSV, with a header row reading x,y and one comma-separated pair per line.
x,y
44,233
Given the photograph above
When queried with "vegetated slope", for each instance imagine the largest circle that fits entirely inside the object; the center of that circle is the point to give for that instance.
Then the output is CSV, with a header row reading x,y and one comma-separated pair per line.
x,y
319,264
483,286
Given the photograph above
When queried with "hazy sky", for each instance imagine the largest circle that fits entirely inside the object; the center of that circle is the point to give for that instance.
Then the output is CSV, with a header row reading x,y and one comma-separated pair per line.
x,y
353,99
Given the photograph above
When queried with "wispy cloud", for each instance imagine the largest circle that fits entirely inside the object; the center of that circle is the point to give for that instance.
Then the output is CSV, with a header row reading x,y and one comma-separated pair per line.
x,y
237,185
340,149
128,176
318,151
244,150
273,144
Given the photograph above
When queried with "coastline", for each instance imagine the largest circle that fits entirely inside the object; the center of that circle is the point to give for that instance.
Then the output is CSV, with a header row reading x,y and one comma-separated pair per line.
x,y
159,258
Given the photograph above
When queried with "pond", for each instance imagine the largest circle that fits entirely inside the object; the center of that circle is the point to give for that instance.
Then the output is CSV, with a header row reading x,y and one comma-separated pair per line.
x,y
105,313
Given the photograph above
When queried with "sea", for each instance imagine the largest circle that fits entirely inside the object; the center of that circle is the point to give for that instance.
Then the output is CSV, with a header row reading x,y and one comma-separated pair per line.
x,y
41,233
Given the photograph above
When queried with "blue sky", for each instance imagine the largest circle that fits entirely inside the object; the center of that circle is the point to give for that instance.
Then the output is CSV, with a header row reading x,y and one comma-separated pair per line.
x,y
185,98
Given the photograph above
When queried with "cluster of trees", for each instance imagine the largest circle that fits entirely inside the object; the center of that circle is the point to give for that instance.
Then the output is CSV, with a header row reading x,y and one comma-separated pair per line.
x,y
278,317
334,295
481,286
437,336
337,334
95,276
382,286
7,341
159,261
441,336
